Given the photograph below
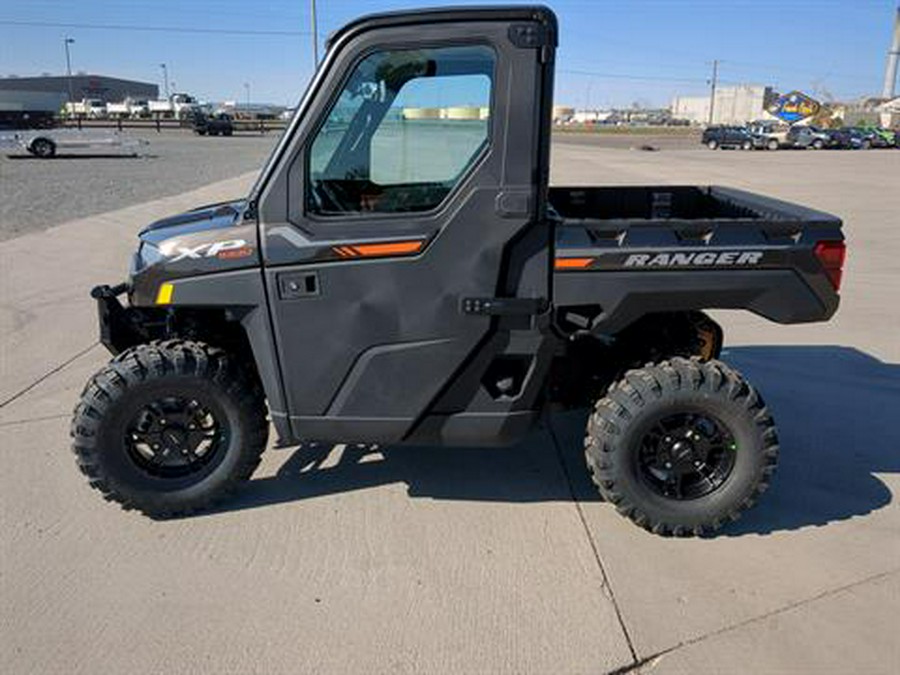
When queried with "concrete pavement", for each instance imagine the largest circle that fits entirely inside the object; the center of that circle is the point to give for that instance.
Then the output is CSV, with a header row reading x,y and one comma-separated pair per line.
x,y
343,560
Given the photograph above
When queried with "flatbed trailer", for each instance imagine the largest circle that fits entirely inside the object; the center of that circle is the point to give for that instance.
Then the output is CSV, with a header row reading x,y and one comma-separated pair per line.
x,y
46,143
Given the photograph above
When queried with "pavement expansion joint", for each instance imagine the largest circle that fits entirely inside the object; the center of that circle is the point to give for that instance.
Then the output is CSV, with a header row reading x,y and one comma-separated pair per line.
x,y
607,586
33,420
650,661
53,371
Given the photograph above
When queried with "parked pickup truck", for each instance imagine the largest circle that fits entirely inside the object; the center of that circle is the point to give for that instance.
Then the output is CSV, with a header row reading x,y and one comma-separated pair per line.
x,y
396,277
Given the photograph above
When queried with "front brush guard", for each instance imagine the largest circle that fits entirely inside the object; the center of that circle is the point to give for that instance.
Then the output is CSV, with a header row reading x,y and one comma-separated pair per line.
x,y
119,328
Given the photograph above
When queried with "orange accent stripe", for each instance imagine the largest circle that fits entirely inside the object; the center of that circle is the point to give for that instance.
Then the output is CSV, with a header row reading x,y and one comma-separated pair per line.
x,y
393,248
573,263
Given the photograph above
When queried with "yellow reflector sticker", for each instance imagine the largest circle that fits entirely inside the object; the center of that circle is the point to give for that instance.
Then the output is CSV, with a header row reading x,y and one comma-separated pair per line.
x,y
164,296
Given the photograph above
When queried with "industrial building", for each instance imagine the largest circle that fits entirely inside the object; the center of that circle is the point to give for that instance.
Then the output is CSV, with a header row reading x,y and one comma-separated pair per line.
x,y
107,89
733,105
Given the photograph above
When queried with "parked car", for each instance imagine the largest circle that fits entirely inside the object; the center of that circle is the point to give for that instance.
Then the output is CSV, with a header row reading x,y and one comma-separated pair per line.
x,y
805,137
727,137
818,138
863,139
769,135
213,125
880,137
843,139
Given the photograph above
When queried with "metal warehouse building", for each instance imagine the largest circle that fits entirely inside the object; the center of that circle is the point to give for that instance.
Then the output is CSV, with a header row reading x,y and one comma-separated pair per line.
x,y
734,105
108,89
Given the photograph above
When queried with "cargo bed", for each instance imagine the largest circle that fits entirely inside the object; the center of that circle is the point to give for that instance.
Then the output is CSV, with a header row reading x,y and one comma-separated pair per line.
x,y
672,248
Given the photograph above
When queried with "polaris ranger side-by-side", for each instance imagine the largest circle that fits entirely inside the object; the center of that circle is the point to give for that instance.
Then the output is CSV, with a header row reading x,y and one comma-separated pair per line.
x,y
401,273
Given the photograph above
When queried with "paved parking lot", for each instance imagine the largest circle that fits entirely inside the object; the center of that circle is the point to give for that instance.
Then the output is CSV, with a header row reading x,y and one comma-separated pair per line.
x,y
38,193
345,559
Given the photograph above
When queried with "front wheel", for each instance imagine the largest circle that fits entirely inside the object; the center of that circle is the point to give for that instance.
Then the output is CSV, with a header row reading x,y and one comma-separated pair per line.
x,y
169,428
818,144
681,447
773,144
747,145
712,144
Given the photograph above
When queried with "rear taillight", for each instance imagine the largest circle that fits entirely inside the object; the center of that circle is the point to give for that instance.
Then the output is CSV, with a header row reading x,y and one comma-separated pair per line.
x,y
832,255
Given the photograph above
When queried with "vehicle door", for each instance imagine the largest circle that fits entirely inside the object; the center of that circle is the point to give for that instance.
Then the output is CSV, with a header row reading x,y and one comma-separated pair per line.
x,y
410,186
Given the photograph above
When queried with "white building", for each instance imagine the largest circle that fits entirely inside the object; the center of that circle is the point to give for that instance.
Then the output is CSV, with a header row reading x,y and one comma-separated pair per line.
x,y
890,113
733,105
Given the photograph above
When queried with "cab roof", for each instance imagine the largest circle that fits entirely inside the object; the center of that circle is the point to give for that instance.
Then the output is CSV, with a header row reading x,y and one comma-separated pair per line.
x,y
539,13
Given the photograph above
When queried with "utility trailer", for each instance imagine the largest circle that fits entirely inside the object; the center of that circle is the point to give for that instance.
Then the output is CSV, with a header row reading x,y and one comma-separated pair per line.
x,y
46,143
402,275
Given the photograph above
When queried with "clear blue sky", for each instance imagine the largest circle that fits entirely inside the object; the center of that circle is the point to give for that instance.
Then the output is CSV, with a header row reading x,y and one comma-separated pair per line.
x,y
612,53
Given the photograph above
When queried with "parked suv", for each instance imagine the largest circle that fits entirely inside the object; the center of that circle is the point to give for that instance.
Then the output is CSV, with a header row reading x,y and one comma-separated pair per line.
x,y
800,136
769,135
214,125
727,137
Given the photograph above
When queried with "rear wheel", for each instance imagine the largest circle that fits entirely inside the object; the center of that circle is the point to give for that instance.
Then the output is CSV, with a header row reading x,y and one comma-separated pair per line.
x,y
866,144
747,145
169,428
772,144
681,447
712,144
818,144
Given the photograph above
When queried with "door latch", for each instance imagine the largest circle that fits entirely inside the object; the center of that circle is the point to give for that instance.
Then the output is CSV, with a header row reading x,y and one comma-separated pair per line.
x,y
504,306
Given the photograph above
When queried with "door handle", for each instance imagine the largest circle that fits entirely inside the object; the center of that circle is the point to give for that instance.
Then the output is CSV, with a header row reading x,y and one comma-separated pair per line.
x,y
294,285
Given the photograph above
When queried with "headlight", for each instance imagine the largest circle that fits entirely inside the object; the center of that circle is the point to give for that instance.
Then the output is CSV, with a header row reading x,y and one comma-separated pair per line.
x,y
147,254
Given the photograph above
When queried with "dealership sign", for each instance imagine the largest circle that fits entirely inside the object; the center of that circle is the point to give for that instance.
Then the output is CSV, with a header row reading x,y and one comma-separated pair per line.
x,y
794,106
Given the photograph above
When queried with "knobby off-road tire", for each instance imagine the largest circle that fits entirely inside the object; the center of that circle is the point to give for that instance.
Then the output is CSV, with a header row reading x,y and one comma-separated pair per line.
x,y
710,395
166,395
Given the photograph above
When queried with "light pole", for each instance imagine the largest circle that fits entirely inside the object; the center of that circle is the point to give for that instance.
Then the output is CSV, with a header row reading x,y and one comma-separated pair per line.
x,y
247,92
712,91
165,72
67,41
315,34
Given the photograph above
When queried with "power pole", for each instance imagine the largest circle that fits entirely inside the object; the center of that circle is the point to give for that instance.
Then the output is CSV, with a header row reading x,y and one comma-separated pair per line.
x,y
712,90
67,41
315,34
165,79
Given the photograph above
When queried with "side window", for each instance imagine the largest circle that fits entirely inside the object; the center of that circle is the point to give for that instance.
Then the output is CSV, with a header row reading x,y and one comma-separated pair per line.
x,y
404,131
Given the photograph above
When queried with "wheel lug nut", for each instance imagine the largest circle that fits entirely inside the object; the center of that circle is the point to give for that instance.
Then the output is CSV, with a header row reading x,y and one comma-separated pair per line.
x,y
668,465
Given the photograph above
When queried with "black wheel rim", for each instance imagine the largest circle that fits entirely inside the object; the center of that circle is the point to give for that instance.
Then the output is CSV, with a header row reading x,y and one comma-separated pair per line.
x,y
686,455
175,436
